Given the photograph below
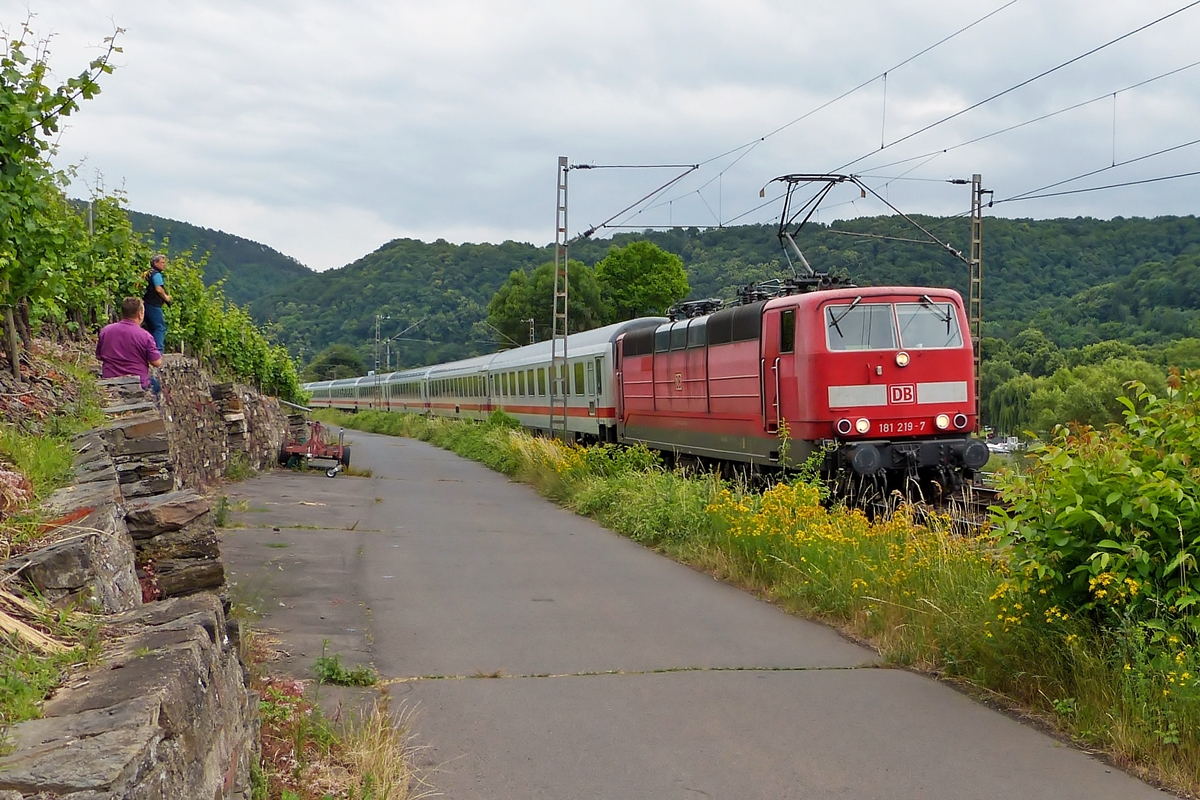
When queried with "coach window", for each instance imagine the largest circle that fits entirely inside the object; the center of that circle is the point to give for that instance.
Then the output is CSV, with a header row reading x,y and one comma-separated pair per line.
x,y
579,378
787,331
541,381
599,376
591,379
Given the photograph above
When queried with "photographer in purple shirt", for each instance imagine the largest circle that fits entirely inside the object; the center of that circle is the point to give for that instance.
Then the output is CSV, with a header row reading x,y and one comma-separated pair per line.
x,y
125,348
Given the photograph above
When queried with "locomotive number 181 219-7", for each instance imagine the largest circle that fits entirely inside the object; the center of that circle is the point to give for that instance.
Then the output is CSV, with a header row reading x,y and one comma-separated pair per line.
x,y
903,426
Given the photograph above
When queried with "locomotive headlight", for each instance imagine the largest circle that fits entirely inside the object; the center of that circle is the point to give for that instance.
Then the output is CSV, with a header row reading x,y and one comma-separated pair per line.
x,y
844,426
902,359
862,425
942,421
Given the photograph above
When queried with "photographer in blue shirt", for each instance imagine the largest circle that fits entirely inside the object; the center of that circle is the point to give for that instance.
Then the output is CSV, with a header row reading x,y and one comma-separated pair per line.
x,y
155,298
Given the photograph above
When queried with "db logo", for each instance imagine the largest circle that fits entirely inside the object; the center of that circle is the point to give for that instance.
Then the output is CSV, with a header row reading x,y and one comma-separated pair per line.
x,y
902,393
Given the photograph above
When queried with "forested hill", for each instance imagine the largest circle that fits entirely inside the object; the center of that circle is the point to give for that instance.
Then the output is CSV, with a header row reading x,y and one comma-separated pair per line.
x,y
249,269
1083,279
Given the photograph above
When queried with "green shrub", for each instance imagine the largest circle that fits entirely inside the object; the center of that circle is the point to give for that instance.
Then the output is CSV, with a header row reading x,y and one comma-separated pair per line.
x,y
1108,523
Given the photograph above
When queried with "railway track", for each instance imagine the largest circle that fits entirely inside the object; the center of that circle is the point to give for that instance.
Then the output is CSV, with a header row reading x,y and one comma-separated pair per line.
x,y
967,508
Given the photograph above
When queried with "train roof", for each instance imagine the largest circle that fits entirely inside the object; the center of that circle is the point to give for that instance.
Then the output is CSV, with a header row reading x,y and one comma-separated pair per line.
x,y
468,365
825,295
593,342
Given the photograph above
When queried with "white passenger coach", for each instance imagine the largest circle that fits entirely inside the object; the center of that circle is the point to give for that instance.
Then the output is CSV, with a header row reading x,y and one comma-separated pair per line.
x,y
518,382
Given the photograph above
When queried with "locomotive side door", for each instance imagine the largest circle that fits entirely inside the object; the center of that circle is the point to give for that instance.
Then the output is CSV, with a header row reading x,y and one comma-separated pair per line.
x,y
777,365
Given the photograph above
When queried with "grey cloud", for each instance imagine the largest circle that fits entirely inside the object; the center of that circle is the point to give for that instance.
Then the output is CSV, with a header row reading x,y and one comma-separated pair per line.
x,y
325,128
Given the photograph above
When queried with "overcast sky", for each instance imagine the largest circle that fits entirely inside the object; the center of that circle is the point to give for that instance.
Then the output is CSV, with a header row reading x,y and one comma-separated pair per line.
x,y
325,129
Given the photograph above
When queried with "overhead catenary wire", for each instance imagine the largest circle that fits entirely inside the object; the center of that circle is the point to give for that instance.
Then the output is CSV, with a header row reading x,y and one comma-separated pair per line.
x,y
864,84
690,168
748,147
1063,110
1100,188
1022,84
1090,173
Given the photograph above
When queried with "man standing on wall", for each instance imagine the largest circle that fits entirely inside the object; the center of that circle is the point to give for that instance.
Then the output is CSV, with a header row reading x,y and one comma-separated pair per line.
x,y
125,349
155,298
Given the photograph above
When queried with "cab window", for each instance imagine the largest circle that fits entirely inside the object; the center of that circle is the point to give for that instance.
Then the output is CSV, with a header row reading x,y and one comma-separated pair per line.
x,y
928,324
787,331
860,326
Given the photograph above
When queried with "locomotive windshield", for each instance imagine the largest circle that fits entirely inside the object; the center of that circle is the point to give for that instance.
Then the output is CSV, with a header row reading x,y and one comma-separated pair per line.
x,y
928,324
861,326
872,326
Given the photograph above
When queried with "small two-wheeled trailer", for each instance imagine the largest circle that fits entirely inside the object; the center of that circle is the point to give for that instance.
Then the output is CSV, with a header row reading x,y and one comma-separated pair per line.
x,y
312,442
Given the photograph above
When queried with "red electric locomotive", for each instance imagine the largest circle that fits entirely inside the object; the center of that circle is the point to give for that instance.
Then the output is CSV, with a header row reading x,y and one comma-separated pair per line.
x,y
880,378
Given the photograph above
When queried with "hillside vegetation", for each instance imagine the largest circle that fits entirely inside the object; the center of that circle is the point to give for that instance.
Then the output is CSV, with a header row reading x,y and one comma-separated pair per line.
x,y
1083,280
249,269
1073,308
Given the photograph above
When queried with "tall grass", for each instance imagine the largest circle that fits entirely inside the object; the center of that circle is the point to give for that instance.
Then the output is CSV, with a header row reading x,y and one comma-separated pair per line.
x,y
921,595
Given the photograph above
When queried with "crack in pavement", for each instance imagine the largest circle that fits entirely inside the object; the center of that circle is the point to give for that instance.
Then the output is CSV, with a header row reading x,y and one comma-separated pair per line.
x,y
499,674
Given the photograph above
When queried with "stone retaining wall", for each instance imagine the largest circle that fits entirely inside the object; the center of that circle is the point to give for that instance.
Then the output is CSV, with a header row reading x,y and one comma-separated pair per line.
x,y
212,425
167,715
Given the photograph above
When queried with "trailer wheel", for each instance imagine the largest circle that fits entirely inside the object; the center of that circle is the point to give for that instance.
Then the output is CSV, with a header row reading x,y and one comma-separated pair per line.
x,y
284,456
345,459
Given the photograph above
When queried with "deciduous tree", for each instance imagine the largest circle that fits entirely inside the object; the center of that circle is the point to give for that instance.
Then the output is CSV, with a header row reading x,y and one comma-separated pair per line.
x,y
524,297
640,279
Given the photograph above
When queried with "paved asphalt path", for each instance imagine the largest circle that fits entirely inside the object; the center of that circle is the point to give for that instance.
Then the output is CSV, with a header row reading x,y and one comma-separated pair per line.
x,y
546,657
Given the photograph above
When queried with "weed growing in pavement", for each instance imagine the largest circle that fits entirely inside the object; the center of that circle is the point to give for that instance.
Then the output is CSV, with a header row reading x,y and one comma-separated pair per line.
x,y
308,755
329,669
920,594
221,512
238,468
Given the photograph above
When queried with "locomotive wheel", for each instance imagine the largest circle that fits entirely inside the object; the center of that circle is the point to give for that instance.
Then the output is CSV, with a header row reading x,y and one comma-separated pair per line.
x,y
345,459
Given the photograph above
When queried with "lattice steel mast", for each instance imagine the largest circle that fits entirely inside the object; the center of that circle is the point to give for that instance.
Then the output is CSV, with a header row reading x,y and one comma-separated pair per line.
x,y
975,299
558,344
